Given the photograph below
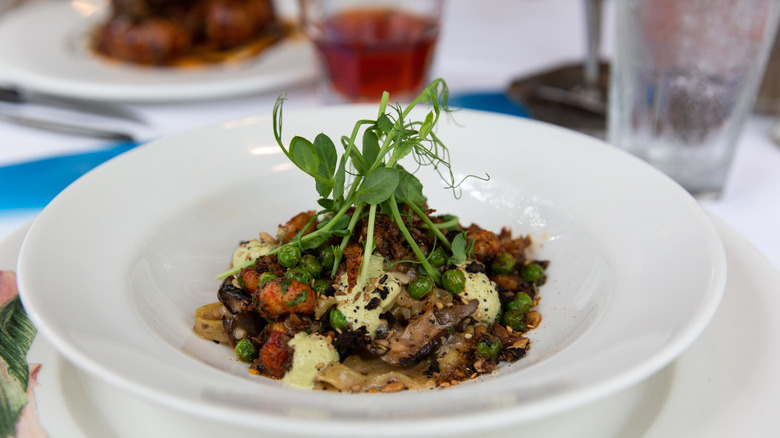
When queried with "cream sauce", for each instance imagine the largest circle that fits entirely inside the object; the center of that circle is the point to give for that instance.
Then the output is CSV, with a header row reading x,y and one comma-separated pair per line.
x,y
251,250
362,306
312,353
480,287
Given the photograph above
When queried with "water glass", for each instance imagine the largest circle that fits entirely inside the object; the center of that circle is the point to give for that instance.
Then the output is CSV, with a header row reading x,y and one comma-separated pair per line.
x,y
684,79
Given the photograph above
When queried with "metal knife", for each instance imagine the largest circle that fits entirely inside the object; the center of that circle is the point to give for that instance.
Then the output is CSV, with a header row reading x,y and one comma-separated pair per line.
x,y
11,94
64,128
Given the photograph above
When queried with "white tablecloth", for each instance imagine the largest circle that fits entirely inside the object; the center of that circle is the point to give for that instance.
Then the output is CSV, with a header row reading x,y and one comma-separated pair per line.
x,y
483,46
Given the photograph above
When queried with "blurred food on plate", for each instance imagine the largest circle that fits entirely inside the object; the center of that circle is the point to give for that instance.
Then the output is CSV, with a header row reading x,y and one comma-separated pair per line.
x,y
183,32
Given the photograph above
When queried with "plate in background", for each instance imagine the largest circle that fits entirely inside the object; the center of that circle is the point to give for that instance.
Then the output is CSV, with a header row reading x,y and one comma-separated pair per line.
x,y
55,59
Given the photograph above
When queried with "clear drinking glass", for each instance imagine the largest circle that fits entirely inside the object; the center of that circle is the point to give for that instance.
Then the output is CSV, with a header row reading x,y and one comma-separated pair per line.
x,y
371,46
684,79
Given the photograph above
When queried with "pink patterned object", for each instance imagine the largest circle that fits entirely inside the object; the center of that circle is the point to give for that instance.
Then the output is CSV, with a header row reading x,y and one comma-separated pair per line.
x,y
26,423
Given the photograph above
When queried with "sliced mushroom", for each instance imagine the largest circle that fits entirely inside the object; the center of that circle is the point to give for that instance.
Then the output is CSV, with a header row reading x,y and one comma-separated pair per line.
x,y
245,324
358,374
233,298
423,334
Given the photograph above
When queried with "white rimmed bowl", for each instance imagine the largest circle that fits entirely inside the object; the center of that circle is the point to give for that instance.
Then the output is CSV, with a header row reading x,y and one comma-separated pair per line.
x,y
113,269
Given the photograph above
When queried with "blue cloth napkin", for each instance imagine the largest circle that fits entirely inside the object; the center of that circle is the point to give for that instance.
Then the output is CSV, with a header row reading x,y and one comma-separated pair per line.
x,y
497,102
35,183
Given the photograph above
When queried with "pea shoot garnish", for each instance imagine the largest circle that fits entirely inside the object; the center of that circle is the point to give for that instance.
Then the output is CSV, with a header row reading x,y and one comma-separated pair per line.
x,y
366,178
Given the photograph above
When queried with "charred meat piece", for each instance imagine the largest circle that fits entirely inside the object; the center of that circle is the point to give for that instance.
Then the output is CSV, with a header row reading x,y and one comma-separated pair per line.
x,y
514,246
486,244
275,357
511,282
295,225
228,23
151,41
160,31
282,296
141,9
250,276
353,258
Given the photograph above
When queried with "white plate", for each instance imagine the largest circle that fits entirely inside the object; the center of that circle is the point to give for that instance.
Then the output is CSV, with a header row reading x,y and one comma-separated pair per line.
x,y
43,47
637,271
724,385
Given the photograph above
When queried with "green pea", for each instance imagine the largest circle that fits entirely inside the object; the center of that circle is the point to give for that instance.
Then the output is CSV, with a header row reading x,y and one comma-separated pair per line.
x,y
514,318
299,273
420,287
522,302
337,320
265,276
437,257
454,281
310,264
246,351
289,256
327,257
321,286
490,350
503,264
532,273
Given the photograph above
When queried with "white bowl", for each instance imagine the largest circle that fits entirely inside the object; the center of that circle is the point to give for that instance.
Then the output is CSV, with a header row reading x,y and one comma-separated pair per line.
x,y
113,269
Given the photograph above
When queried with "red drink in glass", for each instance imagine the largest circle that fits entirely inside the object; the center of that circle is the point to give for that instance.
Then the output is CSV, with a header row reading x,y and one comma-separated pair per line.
x,y
368,51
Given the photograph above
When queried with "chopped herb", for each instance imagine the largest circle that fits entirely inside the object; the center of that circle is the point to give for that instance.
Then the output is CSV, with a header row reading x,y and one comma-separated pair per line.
x,y
301,297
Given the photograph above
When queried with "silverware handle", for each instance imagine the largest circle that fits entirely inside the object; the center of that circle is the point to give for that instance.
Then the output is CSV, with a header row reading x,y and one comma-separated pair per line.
x,y
67,129
10,95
